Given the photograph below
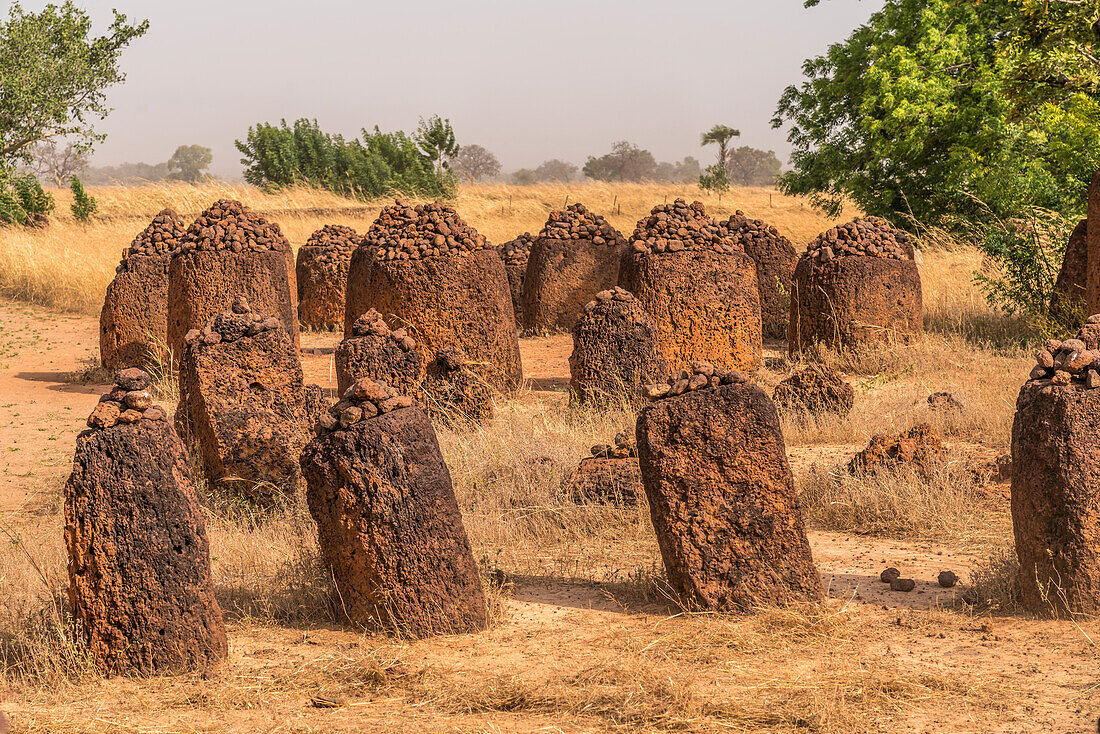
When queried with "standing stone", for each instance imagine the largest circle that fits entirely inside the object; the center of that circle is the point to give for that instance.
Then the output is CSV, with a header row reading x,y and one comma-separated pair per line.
x,y
610,476
856,284
322,276
230,251
1056,496
242,403
775,259
722,499
454,391
516,255
133,325
431,273
614,351
1067,302
815,389
387,518
374,350
697,285
1092,295
576,254
139,559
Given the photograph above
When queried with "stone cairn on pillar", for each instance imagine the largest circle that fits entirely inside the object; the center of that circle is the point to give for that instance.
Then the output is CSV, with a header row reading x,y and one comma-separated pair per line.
x,y
387,518
856,284
133,325
775,258
454,391
230,251
442,280
610,475
322,276
1056,479
139,559
516,254
697,285
721,494
374,350
242,403
614,351
576,254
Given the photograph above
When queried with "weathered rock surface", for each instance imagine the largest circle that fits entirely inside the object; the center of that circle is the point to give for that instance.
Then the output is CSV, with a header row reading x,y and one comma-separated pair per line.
x,y
919,447
322,276
139,559
374,350
242,403
722,499
1068,299
575,255
614,351
228,252
1056,497
133,325
516,254
775,258
815,389
389,525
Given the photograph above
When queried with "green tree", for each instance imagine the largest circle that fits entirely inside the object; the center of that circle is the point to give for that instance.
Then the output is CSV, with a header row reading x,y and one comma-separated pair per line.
x,y
715,180
436,139
625,162
189,162
720,135
914,115
752,167
83,206
475,163
54,74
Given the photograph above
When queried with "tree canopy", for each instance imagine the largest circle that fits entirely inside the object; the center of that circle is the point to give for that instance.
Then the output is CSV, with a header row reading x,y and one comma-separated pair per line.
x,y
189,162
931,110
625,162
54,74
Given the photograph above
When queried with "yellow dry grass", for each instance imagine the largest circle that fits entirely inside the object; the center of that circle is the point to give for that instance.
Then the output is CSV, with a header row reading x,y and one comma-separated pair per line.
x,y
69,265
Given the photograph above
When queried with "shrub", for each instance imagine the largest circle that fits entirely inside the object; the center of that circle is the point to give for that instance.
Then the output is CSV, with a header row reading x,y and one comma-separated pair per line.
x,y
22,197
84,206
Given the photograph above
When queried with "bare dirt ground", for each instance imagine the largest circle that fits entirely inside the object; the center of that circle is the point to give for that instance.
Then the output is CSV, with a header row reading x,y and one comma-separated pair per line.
x,y
563,655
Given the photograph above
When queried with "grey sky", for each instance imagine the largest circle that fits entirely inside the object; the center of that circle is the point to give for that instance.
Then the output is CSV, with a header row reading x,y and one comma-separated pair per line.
x,y
528,81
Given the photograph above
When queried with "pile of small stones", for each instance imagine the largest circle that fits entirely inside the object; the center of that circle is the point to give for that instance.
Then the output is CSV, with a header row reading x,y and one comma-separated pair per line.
x,y
128,402
364,399
1063,362
334,243
892,576
618,293
701,375
518,250
404,232
872,236
161,237
577,223
230,225
372,324
682,226
231,325
742,229
626,445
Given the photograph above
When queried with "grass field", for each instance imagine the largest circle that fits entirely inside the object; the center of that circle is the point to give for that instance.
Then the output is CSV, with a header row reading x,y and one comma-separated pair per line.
x,y
585,636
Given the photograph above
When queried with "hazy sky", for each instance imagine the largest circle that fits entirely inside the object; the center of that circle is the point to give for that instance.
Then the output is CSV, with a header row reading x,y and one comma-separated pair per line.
x,y
529,81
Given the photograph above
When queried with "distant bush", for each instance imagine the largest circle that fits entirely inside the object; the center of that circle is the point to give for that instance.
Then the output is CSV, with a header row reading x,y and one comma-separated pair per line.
x,y
22,197
379,164
84,206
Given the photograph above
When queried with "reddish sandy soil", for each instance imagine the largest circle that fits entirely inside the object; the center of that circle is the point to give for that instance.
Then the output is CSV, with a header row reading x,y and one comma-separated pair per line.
x,y
1047,671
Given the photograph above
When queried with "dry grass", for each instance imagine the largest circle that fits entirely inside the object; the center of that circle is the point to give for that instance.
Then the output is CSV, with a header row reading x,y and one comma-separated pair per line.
x,y
38,266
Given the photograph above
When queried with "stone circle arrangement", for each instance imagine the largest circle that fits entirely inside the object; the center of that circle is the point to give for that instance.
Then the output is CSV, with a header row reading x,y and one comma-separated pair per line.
x,y
404,232
701,375
871,236
575,222
1075,360
161,237
681,226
